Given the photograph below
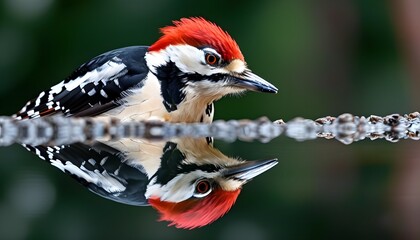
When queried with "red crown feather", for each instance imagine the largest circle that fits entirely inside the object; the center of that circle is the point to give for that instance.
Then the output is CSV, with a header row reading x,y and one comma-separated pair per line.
x,y
193,213
199,32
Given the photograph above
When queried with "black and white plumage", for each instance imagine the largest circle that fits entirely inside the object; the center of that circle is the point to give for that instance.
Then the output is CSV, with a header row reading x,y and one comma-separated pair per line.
x,y
176,79
94,88
133,171
100,168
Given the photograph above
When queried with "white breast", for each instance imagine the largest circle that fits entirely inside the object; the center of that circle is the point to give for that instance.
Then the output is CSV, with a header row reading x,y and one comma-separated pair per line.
x,y
143,103
146,103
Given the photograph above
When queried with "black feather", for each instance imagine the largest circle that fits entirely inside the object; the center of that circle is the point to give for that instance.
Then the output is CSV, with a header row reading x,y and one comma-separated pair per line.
x,y
104,160
88,94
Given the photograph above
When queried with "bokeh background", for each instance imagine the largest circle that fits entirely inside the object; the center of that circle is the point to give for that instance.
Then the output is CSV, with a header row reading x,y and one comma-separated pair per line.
x,y
327,57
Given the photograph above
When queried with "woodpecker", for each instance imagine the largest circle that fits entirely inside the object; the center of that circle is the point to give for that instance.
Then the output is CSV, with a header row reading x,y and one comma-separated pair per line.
x,y
190,183
176,79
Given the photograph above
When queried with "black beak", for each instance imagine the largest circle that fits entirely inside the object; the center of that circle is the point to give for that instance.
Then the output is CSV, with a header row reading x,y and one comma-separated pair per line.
x,y
253,82
250,169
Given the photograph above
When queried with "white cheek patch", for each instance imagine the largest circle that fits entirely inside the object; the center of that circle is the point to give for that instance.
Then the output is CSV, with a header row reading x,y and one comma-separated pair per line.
x,y
179,188
187,58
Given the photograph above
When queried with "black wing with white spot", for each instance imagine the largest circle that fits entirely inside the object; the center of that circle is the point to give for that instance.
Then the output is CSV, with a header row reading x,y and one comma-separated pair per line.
x,y
99,167
94,88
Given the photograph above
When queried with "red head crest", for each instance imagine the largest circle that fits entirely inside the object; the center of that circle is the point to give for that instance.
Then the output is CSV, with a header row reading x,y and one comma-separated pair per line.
x,y
193,213
199,32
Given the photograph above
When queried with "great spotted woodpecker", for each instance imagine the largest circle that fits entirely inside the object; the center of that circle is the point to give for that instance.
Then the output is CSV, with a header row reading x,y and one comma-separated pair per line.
x,y
176,79
188,181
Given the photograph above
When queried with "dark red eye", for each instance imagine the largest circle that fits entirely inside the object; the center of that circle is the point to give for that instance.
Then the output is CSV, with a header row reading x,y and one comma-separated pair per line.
x,y
203,186
211,59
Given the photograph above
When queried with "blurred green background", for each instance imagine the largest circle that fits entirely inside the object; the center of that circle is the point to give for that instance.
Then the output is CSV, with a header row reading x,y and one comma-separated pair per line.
x,y
327,57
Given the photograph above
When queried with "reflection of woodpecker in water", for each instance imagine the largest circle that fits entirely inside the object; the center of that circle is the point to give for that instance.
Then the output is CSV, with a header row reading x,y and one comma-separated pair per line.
x,y
188,181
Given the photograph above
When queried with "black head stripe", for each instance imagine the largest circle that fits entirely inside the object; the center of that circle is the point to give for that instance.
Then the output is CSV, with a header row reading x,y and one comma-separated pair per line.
x,y
173,82
172,85
169,164
172,164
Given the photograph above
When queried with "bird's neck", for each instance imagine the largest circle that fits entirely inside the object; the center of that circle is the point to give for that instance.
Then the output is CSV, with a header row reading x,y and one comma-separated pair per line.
x,y
191,112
